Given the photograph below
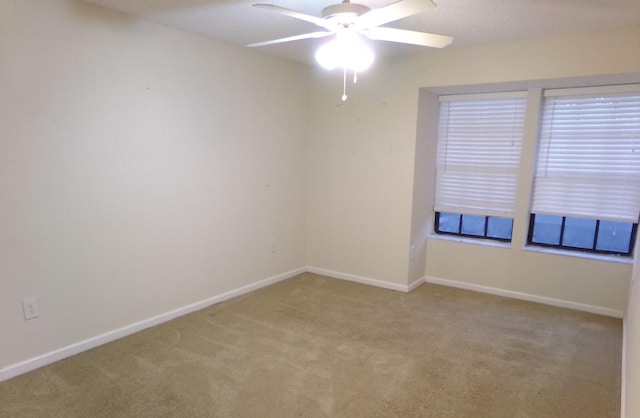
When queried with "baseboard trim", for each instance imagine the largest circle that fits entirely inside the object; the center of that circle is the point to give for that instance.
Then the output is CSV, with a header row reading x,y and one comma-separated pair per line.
x,y
623,377
416,283
51,357
615,313
366,280
34,363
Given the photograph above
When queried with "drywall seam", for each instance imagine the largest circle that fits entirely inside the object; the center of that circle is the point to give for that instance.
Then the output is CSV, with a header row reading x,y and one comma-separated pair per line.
x,y
48,358
615,313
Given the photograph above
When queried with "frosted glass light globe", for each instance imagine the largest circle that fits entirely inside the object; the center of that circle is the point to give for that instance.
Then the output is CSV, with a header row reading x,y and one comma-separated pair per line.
x,y
346,51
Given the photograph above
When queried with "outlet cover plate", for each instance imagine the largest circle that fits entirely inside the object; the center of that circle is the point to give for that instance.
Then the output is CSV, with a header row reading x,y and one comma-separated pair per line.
x,y
30,308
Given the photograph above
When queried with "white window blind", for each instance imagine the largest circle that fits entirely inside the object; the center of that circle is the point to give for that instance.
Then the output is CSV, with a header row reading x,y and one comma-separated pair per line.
x,y
479,144
588,160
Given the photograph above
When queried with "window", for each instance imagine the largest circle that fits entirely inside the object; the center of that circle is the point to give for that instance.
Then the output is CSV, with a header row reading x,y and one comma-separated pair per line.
x,y
582,234
476,226
478,155
586,187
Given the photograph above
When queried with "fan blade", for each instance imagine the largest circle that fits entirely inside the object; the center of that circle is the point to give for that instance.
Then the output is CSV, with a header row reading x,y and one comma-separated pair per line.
x,y
293,38
408,37
291,13
394,11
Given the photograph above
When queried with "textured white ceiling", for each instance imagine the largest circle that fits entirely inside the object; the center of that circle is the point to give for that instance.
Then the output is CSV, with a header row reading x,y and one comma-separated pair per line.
x,y
470,22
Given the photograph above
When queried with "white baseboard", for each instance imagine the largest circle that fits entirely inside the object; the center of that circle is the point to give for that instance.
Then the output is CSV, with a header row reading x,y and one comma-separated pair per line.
x,y
416,283
43,360
623,378
366,280
48,358
615,313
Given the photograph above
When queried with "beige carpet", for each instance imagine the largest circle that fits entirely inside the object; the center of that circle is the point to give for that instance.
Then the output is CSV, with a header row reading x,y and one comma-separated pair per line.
x,y
318,347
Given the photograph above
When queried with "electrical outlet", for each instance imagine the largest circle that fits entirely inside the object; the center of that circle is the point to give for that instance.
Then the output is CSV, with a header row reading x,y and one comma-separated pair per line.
x,y
30,309
412,253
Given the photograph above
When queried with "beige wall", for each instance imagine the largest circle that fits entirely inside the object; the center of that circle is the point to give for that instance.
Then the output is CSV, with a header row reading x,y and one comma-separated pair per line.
x,y
142,169
552,276
631,354
361,158
364,211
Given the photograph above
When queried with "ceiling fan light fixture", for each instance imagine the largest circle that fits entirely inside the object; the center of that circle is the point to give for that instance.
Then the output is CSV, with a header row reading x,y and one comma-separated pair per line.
x,y
346,51
350,23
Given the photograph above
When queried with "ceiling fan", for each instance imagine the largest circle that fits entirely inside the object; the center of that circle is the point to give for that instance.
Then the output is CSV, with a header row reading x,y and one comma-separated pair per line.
x,y
349,22
364,21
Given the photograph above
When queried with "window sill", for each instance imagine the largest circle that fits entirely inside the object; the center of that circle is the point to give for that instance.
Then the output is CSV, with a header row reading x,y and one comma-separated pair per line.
x,y
533,248
469,240
580,254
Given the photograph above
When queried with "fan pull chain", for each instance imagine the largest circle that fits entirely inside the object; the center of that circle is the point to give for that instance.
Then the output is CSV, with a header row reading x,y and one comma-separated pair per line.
x,y
344,82
344,85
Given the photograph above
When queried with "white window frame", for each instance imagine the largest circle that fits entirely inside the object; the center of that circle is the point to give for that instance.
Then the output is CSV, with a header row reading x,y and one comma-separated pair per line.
x,y
574,175
482,182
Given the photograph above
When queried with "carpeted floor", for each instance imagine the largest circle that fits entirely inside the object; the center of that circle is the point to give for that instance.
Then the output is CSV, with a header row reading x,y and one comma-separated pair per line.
x,y
318,347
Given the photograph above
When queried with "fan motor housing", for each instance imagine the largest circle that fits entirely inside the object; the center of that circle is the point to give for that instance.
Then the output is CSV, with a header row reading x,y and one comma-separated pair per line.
x,y
352,9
